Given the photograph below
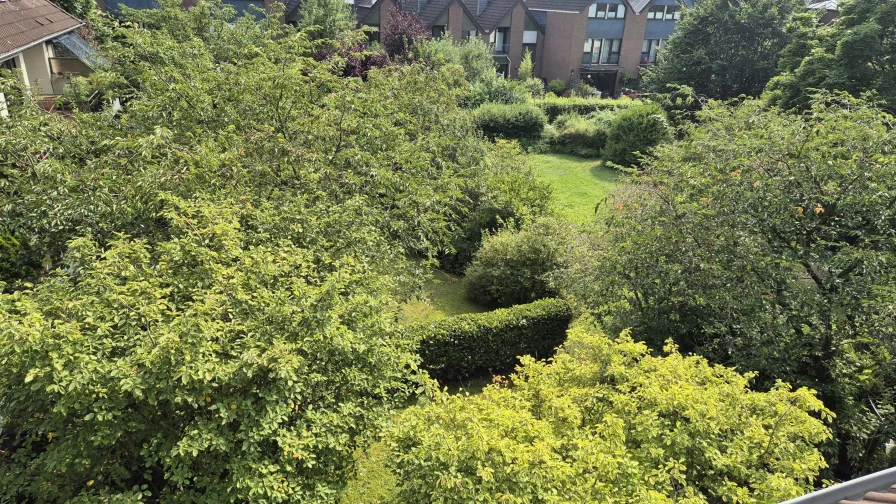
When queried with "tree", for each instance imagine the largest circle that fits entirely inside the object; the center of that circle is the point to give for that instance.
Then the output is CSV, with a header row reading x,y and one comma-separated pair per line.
x,y
526,66
764,240
404,31
606,421
855,54
325,19
724,48
198,292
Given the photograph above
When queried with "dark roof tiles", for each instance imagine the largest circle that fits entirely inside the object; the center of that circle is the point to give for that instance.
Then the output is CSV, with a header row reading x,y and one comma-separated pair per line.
x,y
559,5
26,22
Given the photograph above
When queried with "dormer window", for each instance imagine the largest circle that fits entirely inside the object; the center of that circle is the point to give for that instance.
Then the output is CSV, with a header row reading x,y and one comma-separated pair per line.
x,y
606,11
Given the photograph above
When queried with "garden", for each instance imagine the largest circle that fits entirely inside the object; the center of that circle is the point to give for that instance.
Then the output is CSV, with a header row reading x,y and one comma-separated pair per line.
x,y
390,275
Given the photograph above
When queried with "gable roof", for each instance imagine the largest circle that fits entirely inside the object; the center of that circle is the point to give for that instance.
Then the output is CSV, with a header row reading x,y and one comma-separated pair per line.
x,y
495,10
24,23
559,5
434,8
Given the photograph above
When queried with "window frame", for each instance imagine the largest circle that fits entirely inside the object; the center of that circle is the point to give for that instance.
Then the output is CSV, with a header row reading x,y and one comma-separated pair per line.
x,y
604,12
650,47
664,13
608,52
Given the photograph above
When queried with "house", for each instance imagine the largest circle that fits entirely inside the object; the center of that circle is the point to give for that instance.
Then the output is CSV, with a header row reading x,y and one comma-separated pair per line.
x,y
38,40
603,43
511,28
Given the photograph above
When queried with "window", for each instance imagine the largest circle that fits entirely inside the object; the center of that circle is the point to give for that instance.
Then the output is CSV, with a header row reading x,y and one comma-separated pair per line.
x,y
373,33
602,51
9,64
606,11
470,34
664,12
437,31
649,49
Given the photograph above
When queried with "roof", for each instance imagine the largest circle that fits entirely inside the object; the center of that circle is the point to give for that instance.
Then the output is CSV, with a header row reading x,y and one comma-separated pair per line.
x,y
81,49
24,23
638,5
361,13
559,5
830,5
495,11
541,17
876,497
434,8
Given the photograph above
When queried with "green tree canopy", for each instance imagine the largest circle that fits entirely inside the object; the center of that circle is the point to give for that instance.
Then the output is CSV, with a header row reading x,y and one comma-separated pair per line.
x,y
855,54
725,48
326,19
765,241
608,422
198,294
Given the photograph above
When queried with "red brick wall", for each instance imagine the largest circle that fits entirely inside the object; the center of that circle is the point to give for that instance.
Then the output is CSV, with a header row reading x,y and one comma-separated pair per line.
x,y
632,40
517,26
456,21
561,54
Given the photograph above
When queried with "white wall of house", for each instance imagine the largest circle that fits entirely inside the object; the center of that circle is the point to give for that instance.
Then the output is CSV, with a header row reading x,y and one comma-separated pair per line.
x,y
35,67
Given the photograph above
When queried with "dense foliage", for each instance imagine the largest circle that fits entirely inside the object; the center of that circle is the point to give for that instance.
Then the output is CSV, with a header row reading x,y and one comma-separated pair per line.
x,y
635,131
204,369
510,121
403,32
463,345
855,54
607,422
765,241
511,265
555,106
326,19
582,136
723,49
199,291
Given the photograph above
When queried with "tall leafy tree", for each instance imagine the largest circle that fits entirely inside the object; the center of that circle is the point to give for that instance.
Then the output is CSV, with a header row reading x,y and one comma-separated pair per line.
x,y
765,241
725,48
404,31
856,54
325,19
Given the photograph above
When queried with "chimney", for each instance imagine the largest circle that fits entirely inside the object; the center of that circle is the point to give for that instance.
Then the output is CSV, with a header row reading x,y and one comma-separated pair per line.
x,y
481,6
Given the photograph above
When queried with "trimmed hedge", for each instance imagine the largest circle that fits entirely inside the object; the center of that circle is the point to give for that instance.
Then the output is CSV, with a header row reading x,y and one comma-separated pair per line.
x,y
463,345
554,107
510,121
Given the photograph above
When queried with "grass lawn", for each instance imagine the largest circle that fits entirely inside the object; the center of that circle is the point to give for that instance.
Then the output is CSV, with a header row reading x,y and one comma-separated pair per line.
x,y
579,184
445,297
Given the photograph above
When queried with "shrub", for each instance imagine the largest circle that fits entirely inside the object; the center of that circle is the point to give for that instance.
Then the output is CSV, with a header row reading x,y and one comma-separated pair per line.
x,y
583,90
526,66
496,89
580,136
636,129
242,374
557,86
405,29
556,106
508,190
460,346
511,265
605,421
510,121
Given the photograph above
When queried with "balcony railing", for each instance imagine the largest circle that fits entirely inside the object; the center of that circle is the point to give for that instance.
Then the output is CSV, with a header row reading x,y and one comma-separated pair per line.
x,y
502,48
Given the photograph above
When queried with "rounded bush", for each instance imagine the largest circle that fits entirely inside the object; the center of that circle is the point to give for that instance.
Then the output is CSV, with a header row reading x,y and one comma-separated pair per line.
x,y
636,129
557,86
511,266
510,121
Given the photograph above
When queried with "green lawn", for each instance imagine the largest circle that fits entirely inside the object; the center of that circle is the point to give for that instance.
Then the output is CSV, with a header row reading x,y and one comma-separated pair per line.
x,y
579,184
445,297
